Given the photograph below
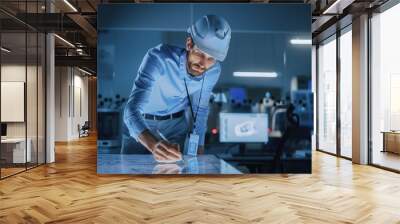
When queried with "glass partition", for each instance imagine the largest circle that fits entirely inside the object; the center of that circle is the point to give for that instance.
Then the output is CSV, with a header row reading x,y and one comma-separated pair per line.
x,y
32,95
22,91
41,109
32,90
14,153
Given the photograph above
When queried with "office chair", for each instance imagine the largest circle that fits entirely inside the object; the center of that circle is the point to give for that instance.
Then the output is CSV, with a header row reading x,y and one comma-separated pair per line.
x,y
294,136
84,130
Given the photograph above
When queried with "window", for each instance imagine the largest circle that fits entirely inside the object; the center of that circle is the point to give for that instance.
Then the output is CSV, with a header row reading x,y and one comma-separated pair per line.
x,y
346,92
327,96
385,88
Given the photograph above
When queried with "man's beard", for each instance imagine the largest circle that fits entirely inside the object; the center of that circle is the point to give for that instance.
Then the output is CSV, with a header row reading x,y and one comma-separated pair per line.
x,y
196,69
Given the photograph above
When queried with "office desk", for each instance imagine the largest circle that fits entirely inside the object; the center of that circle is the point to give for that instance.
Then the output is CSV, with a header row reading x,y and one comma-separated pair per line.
x,y
13,150
145,164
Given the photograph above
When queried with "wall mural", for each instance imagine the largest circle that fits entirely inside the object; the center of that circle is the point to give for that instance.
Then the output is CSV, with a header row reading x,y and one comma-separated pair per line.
x,y
204,88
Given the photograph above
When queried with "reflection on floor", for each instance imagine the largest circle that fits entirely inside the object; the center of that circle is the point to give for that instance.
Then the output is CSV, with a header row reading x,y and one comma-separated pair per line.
x,y
10,169
386,159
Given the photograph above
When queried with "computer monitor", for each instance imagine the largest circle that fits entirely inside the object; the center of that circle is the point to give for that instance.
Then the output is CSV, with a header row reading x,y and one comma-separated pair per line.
x,y
3,129
243,127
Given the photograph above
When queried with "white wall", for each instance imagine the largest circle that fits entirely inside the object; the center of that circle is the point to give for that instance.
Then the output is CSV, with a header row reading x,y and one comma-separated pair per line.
x,y
14,73
70,83
17,73
61,103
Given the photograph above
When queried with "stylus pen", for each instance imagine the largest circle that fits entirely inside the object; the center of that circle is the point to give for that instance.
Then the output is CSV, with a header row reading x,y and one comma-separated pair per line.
x,y
162,136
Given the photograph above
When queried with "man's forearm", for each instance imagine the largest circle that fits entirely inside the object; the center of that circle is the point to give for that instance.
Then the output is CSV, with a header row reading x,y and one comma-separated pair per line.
x,y
148,139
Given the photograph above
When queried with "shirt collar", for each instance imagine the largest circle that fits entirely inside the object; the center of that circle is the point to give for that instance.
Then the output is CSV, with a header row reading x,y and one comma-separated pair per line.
x,y
182,65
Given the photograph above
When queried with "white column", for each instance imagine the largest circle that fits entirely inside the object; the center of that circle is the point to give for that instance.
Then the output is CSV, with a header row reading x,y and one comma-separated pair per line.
x,y
314,90
360,90
50,110
50,93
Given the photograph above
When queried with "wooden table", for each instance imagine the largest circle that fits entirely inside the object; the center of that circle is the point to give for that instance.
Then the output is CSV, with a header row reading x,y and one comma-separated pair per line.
x,y
391,141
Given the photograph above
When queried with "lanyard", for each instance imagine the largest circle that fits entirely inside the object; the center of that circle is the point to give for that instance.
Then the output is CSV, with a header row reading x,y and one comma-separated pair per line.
x,y
194,116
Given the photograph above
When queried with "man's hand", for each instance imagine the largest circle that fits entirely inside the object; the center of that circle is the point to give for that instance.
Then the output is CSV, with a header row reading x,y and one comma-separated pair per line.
x,y
162,151
170,168
166,152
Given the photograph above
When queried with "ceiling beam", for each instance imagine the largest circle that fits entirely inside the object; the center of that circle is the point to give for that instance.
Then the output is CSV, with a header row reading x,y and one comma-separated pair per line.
x,y
80,20
84,24
84,61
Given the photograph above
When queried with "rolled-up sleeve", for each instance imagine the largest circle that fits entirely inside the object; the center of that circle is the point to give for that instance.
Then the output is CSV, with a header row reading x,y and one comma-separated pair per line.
x,y
148,72
202,108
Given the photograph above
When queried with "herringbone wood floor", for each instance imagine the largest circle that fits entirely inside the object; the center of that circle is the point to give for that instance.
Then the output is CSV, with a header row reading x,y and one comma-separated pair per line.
x,y
70,191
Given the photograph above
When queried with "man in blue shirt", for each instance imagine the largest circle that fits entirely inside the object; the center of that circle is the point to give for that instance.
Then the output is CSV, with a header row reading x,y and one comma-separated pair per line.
x,y
171,80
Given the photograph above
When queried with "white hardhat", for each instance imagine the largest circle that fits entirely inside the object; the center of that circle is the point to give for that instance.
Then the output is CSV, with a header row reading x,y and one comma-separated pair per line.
x,y
212,35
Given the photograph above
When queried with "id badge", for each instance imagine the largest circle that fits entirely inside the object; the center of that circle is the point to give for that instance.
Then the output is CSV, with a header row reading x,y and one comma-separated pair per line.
x,y
193,144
